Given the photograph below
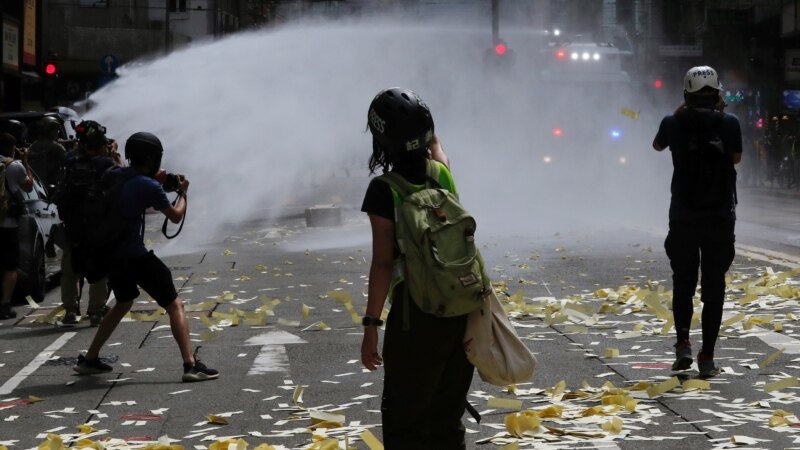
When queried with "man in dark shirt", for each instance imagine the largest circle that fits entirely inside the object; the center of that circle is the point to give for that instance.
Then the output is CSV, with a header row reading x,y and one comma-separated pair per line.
x,y
701,233
133,265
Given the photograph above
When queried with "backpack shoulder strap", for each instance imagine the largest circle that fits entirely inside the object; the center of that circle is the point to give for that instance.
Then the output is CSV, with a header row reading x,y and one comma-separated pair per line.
x,y
398,183
432,174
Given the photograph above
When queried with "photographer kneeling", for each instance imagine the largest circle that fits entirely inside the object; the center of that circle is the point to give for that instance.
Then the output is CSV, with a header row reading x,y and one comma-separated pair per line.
x,y
132,264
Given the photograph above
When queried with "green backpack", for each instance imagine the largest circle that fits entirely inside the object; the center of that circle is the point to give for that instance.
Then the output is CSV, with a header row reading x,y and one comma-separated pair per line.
x,y
443,269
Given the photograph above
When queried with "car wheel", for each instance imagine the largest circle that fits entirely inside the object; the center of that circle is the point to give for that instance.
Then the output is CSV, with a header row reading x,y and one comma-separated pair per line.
x,y
38,274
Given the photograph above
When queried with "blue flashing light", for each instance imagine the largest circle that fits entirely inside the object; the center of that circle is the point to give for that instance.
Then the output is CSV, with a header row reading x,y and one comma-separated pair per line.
x,y
616,134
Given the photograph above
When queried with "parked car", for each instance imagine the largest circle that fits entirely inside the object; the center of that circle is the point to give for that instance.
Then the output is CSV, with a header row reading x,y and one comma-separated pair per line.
x,y
40,258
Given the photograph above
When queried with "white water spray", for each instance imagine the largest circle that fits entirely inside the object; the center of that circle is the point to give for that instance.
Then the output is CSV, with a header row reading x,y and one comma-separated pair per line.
x,y
259,120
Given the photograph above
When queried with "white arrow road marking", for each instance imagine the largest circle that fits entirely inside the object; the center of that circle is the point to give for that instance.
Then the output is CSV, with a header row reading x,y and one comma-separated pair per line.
x,y
40,359
272,357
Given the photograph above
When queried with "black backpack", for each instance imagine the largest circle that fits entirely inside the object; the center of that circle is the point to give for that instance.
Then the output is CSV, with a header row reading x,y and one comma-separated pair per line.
x,y
70,198
709,182
105,227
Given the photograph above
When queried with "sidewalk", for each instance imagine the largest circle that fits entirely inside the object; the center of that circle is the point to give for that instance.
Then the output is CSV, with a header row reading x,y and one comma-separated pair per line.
x,y
791,193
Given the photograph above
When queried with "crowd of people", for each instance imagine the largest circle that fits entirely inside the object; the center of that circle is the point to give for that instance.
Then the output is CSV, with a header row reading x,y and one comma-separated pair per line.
x,y
101,199
772,156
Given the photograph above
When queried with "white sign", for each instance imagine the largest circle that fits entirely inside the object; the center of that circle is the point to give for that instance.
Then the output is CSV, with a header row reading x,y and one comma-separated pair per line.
x,y
11,45
792,72
680,50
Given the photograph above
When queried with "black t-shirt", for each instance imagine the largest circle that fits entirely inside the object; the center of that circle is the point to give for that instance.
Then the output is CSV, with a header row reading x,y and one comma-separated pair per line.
x,y
673,133
379,200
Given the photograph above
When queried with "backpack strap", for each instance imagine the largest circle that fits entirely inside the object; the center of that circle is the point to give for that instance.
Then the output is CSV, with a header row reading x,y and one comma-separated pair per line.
x,y
432,174
398,183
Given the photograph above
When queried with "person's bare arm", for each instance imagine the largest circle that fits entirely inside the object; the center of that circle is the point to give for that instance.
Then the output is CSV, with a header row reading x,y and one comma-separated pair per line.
x,y
26,185
437,152
176,213
380,278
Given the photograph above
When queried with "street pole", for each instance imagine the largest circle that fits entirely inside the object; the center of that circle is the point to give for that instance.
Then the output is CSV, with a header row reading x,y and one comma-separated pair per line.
x,y
166,27
495,22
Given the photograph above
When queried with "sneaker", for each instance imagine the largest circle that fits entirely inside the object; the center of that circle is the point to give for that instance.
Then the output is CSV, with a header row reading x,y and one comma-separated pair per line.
x,y
91,366
683,355
7,312
95,319
70,318
198,373
705,366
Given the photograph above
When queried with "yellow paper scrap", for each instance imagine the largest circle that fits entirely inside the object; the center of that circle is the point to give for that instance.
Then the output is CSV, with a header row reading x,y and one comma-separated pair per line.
x,y
88,443
51,316
35,399
324,443
732,320
297,396
329,420
655,391
780,384
613,426
558,389
216,419
227,252
550,412
778,326
511,446
232,444
519,423
264,447
667,326
53,442
696,383
372,442
612,352
504,403
86,429
743,440
771,358
306,310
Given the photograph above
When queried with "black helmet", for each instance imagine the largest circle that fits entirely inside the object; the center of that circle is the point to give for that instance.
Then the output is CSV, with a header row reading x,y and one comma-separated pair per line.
x,y
400,120
91,134
143,145
48,123
16,129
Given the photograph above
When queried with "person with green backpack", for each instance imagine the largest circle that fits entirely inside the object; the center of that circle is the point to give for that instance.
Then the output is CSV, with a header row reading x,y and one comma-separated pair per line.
x,y
425,261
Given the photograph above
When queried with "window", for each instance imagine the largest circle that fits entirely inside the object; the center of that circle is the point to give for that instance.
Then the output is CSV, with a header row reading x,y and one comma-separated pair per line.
x,y
177,5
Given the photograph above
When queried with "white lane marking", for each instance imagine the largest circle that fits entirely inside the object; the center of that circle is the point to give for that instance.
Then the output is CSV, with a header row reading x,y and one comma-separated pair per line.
x,y
272,357
769,256
40,359
605,446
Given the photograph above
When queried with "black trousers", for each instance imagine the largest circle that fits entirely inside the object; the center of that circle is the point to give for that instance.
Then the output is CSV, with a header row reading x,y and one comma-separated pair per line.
x,y
706,244
427,380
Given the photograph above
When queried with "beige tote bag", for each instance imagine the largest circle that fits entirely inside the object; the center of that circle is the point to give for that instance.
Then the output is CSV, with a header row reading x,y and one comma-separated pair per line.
x,y
494,348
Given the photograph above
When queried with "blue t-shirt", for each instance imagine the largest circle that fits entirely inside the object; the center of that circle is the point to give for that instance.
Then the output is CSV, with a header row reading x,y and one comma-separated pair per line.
x,y
136,196
674,133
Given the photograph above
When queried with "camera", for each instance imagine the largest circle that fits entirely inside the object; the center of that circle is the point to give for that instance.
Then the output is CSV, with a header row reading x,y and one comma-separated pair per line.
x,y
172,182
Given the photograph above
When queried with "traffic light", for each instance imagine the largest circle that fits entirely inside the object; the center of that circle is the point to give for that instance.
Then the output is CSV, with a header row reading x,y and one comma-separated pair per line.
x,y
500,56
658,84
50,84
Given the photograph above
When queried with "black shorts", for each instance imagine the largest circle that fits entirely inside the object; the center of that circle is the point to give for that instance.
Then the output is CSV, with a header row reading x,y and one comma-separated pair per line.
x,y
146,271
9,249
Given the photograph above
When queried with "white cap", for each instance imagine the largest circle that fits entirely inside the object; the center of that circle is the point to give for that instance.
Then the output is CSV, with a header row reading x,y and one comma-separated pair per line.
x,y
699,77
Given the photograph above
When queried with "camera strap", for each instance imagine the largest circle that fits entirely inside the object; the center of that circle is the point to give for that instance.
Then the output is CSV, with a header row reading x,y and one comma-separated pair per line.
x,y
166,220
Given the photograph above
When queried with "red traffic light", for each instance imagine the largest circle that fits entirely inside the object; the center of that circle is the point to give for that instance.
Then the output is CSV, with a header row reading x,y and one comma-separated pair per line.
x,y
561,54
500,49
557,132
658,84
50,69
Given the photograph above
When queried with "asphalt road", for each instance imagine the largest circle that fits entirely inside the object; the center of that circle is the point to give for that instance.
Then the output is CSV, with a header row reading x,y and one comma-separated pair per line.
x,y
590,309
